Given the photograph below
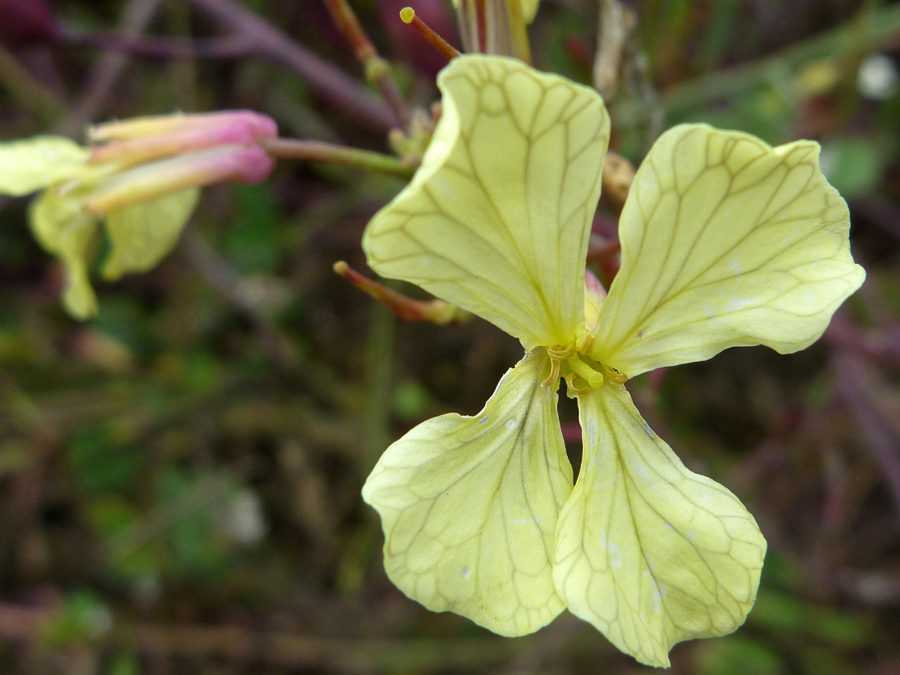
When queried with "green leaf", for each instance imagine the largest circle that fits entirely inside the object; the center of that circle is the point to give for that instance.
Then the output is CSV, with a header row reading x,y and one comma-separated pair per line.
x,y
469,506
855,166
35,163
83,617
647,551
102,465
497,218
254,241
726,242
143,234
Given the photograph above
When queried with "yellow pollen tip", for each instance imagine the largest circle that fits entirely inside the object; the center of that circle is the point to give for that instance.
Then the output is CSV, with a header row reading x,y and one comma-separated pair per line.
x,y
407,14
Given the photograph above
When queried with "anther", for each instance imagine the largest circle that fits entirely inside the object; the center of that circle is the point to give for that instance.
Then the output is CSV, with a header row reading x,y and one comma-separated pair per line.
x,y
614,376
554,372
572,389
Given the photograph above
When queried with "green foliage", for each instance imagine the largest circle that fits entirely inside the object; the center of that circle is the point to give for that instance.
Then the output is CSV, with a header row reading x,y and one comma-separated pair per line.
x,y
255,241
84,617
103,464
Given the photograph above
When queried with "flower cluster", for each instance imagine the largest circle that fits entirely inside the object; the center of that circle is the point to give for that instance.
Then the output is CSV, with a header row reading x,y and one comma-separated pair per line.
x,y
139,176
726,241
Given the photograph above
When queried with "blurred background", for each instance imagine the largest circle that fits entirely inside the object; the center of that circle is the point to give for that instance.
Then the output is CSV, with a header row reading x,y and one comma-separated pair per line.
x,y
180,477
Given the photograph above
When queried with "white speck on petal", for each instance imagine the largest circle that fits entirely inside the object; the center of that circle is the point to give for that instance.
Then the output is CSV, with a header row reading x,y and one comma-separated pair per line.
x,y
483,420
511,423
736,266
465,572
648,430
737,304
611,547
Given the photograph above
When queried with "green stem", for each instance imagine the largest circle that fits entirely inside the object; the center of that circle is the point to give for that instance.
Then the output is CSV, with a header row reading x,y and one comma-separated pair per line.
x,y
329,153
867,32
379,385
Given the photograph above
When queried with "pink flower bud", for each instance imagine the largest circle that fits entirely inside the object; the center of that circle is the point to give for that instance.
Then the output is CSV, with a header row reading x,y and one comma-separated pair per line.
x,y
259,126
239,129
231,163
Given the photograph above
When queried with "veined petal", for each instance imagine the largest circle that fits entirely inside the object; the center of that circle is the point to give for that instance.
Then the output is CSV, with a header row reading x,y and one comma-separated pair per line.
x,y
648,552
63,229
726,242
497,218
34,163
141,235
469,506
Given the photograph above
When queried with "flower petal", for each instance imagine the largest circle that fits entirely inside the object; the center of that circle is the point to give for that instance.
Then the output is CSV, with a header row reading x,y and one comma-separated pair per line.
x,y
469,506
726,241
648,552
497,218
63,229
143,234
34,163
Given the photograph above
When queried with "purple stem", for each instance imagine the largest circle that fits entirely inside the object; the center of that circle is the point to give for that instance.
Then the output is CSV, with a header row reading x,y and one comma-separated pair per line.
x,y
332,83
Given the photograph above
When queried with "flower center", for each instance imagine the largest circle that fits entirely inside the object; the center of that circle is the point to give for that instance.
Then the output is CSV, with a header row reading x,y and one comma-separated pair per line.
x,y
580,372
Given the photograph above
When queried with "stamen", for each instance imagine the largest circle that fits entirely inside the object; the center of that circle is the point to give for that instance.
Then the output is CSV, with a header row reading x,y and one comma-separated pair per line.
x,y
572,389
560,354
554,371
584,343
408,15
613,375
556,357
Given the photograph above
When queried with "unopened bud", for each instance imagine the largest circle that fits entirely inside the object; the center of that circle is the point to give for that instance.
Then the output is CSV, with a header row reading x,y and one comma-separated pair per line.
x,y
234,163
261,125
239,131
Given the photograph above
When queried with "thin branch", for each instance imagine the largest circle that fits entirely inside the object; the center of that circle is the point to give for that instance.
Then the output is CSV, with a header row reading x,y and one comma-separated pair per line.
x,y
444,48
27,89
377,70
332,83
137,15
329,153
612,35
866,32
164,48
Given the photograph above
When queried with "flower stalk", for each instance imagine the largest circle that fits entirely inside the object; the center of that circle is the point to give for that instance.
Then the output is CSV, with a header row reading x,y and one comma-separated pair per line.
x,y
330,153
377,70
404,307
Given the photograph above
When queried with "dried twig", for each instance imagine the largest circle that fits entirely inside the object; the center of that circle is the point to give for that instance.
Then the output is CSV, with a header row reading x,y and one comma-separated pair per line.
x,y
332,83
378,72
612,34
137,15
